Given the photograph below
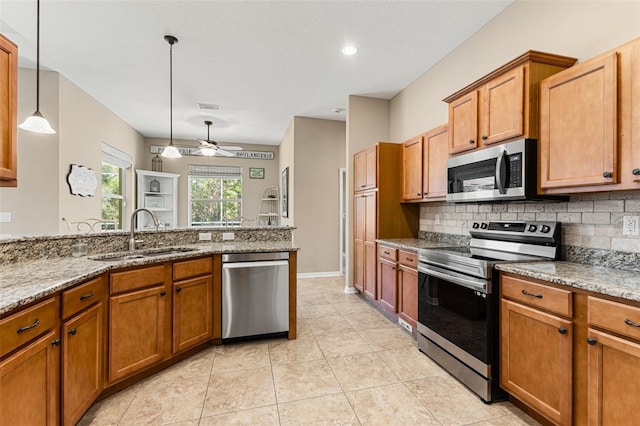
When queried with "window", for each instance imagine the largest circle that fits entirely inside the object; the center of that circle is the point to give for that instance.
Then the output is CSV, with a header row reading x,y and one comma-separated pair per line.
x,y
114,165
215,195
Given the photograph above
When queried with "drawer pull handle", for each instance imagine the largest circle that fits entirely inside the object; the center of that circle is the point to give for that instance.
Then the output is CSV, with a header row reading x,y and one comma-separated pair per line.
x,y
562,330
631,323
29,327
526,293
591,341
86,296
72,331
408,259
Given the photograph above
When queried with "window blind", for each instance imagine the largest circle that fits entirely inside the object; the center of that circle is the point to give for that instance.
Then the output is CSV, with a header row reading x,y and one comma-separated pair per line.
x,y
116,157
200,170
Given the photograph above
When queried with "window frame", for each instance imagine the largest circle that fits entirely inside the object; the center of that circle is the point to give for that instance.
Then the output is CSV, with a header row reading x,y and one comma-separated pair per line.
x,y
220,201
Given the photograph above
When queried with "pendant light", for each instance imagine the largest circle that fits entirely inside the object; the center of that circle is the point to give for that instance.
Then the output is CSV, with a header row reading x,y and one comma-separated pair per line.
x,y
36,122
171,151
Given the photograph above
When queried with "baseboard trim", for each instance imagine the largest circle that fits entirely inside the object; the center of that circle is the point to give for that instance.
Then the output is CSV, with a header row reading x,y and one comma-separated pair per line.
x,y
319,274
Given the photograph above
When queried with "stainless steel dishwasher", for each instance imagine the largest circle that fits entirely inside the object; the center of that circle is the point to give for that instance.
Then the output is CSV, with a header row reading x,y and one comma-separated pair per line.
x,y
255,294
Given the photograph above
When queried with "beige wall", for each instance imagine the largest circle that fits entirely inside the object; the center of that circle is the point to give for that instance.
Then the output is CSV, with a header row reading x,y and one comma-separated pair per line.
x,y
319,155
82,124
252,188
367,123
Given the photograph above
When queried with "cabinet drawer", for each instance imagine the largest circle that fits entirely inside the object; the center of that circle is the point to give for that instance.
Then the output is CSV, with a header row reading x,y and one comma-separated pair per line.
x,y
136,279
28,324
408,258
191,268
388,253
82,296
613,316
548,298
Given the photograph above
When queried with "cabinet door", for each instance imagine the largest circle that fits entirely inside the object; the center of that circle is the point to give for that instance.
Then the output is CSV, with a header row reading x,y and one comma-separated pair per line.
x,y
30,382
412,169
360,171
359,221
613,380
463,123
8,112
388,285
578,126
82,364
531,340
358,265
408,294
503,107
192,312
370,259
137,331
371,159
434,163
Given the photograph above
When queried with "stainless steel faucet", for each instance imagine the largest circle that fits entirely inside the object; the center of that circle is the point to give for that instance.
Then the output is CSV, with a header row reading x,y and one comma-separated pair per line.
x,y
132,240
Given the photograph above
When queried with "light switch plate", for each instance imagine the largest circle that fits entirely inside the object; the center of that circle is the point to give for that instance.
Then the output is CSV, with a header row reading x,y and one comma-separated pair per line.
x,y
204,236
227,236
5,217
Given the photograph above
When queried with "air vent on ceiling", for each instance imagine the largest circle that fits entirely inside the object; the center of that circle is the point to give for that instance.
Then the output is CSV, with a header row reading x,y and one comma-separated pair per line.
x,y
211,107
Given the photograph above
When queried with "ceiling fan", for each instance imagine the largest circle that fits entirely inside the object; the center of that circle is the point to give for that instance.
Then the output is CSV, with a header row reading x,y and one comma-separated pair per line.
x,y
210,147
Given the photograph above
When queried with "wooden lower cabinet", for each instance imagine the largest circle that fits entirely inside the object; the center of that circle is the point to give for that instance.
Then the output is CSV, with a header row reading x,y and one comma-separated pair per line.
x,y
536,360
82,363
358,267
192,312
138,324
613,380
408,294
30,383
388,284
370,282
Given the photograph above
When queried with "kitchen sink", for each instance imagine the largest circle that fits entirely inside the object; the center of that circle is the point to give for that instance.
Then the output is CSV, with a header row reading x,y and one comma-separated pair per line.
x,y
146,254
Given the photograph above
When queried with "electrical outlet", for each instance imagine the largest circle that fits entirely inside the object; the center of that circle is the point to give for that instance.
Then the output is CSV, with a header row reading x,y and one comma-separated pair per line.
x,y
204,236
227,236
405,325
631,226
5,217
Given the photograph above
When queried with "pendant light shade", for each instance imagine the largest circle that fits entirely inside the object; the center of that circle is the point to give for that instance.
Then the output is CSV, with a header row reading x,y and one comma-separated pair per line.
x,y
171,151
36,122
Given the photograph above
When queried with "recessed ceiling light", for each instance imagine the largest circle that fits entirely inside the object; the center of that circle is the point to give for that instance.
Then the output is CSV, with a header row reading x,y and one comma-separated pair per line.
x,y
212,107
349,50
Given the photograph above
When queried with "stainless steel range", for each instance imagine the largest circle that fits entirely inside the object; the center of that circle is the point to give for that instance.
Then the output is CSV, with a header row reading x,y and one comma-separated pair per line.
x,y
458,297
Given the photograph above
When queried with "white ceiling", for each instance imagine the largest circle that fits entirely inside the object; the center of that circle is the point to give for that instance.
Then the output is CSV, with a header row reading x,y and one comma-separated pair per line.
x,y
263,61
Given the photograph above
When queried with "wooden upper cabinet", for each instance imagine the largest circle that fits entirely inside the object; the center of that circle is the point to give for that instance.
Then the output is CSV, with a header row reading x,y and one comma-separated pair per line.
x,y
463,123
503,105
578,141
412,169
434,160
366,165
8,112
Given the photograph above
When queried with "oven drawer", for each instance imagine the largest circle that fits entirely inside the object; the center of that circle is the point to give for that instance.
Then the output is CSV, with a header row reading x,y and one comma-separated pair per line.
x,y
387,253
540,296
615,317
408,258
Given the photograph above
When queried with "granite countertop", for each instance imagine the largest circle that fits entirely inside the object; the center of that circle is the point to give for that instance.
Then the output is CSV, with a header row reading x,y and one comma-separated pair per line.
x,y
413,244
598,279
24,282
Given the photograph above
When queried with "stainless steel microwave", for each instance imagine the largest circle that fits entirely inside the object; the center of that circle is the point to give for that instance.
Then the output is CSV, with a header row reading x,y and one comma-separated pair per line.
x,y
503,172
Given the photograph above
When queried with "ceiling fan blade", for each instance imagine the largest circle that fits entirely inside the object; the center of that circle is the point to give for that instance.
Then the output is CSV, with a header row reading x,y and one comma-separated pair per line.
x,y
231,148
224,153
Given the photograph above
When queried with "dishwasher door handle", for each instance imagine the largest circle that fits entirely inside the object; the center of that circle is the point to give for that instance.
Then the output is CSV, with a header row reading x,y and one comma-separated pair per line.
x,y
264,263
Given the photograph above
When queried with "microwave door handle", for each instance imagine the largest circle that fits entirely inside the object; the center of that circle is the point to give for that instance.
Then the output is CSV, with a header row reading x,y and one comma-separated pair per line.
x,y
501,172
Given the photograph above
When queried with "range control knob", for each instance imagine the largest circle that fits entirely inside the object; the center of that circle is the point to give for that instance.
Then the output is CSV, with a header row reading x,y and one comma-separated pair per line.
x,y
533,228
475,225
545,229
484,226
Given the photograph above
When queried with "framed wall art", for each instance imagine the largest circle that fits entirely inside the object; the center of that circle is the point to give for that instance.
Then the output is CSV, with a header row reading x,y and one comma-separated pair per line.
x,y
285,192
256,173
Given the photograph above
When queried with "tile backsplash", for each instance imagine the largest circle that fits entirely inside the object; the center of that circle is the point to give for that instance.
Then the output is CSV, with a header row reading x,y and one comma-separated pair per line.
x,y
589,221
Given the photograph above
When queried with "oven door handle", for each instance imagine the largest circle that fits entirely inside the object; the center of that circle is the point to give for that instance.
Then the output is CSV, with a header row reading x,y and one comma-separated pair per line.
x,y
501,172
454,279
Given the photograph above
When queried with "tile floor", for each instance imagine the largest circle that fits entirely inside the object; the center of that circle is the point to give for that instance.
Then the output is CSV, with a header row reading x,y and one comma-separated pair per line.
x,y
350,365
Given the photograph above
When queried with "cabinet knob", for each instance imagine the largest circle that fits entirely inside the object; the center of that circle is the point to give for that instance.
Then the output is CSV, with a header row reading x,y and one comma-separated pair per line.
x,y
484,137
178,289
562,330
418,194
607,175
591,341
72,332
55,342
636,172
163,293
471,141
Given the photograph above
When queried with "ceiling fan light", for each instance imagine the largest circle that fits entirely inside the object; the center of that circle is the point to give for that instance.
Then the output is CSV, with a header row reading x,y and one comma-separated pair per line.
x,y
171,152
208,151
38,124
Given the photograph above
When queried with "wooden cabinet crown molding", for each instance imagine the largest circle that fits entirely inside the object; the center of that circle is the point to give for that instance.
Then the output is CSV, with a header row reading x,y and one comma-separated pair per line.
x,y
530,56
